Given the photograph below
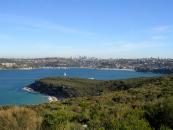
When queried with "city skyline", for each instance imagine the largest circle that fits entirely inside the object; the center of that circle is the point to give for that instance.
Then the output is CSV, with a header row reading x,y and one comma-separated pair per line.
x,y
99,28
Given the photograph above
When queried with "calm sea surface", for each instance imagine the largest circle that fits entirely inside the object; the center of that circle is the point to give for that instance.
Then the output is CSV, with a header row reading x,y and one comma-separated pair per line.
x,y
12,81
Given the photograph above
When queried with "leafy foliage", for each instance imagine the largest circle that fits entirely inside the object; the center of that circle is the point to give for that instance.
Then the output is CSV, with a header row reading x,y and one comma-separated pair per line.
x,y
134,104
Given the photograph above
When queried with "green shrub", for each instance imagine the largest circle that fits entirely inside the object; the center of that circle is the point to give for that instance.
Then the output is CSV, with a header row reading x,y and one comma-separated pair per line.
x,y
56,120
161,113
164,128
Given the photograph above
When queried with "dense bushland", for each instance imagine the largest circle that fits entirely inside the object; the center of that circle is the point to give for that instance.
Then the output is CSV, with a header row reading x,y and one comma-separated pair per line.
x,y
134,104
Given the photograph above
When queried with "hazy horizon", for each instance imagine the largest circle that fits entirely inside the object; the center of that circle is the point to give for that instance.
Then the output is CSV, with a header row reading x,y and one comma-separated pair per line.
x,y
92,28
84,56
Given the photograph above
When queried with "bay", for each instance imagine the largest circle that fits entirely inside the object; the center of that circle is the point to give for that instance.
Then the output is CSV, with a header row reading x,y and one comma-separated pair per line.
x,y
12,82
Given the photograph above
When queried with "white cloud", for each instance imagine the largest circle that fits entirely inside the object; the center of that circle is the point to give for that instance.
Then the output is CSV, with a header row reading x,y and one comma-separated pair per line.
x,y
137,45
161,29
132,46
4,36
126,49
158,37
33,24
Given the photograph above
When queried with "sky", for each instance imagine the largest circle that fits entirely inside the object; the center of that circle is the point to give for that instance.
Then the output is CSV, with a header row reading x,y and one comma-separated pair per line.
x,y
93,28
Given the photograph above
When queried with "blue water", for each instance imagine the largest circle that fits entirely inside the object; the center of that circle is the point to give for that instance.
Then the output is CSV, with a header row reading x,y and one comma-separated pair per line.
x,y
12,81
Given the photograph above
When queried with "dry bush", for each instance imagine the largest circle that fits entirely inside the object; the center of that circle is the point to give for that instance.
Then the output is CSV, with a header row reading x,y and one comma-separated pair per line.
x,y
19,118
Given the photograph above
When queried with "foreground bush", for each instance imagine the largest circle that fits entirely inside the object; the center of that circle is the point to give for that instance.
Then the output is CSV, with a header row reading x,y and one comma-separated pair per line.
x,y
146,106
19,118
161,114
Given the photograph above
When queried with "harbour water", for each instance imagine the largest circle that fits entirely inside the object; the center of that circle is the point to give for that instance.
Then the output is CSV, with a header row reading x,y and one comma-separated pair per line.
x,y
12,82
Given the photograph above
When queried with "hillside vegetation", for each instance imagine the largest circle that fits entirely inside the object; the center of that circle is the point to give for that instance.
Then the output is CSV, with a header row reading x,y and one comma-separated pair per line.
x,y
77,87
134,104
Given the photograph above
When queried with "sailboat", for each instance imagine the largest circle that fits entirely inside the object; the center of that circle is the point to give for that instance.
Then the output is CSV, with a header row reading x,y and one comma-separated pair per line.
x,y
65,74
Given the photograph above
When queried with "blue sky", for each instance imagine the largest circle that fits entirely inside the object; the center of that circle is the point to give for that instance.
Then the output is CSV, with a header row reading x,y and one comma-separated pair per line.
x,y
99,28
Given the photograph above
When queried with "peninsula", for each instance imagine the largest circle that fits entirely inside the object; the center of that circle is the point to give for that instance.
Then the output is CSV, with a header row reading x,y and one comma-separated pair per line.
x,y
133,104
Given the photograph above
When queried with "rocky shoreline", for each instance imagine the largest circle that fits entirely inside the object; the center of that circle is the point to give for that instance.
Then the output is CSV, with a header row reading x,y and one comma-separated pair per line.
x,y
57,92
50,98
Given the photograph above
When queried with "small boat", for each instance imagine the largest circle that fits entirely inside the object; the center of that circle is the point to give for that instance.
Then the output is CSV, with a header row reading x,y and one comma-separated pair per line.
x,y
65,74
91,78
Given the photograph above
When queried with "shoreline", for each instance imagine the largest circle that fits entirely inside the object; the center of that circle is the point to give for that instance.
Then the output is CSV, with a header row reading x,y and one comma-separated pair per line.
x,y
50,98
30,90
30,68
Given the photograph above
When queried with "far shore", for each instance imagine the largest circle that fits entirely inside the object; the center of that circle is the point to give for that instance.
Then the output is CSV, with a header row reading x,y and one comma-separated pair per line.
x,y
30,68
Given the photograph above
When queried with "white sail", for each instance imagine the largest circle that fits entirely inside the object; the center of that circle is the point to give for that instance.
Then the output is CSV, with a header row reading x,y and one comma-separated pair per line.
x,y
65,74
